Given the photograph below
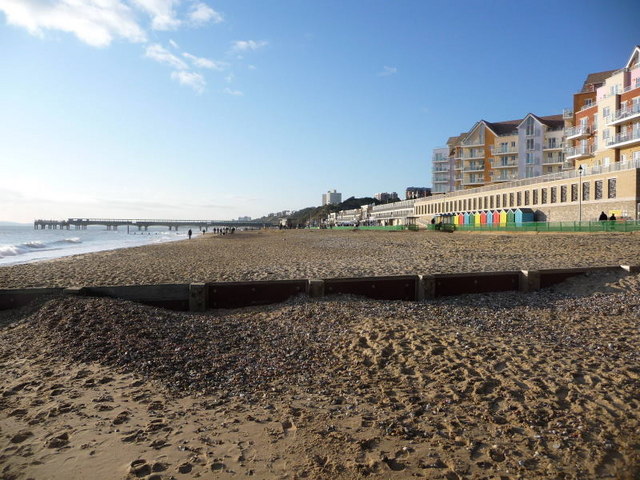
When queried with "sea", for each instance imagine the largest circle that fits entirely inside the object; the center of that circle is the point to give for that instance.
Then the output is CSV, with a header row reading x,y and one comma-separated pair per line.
x,y
24,244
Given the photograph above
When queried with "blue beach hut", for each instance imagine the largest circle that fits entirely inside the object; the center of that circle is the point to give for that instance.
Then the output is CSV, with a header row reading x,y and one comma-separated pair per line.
x,y
489,218
523,215
467,220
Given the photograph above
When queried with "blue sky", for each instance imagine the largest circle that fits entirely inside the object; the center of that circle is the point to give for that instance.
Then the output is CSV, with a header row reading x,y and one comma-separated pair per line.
x,y
216,109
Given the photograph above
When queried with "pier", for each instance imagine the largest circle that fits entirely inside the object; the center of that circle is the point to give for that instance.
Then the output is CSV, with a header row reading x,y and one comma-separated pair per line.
x,y
141,224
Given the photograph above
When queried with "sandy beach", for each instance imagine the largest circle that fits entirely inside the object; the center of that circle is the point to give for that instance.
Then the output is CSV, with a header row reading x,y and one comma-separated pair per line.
x,y
292,254
503,386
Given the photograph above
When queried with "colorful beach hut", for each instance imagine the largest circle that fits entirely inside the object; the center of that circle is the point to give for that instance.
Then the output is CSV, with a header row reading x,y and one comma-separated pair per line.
x,y
455,219
483,218
490,218
467,218
511,216
496,217
503,218
460,219
523,215
476,219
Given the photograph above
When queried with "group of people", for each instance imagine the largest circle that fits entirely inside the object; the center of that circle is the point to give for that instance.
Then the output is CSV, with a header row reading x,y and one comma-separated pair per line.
x,y
218,230
603,217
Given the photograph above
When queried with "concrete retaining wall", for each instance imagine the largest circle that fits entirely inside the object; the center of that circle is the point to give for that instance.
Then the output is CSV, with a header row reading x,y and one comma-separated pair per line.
x,y
198,297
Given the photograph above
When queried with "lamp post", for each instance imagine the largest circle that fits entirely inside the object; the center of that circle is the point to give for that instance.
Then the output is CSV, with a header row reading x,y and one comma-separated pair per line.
x,y
580,171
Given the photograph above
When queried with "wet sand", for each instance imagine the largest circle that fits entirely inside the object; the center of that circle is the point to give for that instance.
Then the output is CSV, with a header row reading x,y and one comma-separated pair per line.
x,y
506,386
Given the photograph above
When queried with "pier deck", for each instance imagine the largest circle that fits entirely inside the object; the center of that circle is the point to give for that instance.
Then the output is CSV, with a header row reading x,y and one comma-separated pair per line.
x,y
141,224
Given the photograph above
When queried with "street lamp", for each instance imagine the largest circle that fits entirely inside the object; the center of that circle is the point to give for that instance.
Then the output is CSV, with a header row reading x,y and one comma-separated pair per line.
x,y
580,171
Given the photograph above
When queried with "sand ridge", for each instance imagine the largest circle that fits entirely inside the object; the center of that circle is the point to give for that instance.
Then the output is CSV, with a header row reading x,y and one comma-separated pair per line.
x,y
491,386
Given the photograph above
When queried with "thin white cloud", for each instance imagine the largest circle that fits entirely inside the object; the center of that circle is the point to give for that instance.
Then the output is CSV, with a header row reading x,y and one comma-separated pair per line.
x,y
174,44
248,45
230,78
388,71
95,22
163,13
190,79
205,62
160,54
235,93
201,13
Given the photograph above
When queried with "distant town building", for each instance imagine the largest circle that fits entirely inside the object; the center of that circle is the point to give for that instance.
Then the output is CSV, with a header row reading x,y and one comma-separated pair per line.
x,y
244,219
331,197
441,170
417,192
386,197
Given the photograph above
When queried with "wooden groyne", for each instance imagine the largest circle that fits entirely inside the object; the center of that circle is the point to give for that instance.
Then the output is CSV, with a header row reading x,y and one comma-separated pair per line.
x,y
198,297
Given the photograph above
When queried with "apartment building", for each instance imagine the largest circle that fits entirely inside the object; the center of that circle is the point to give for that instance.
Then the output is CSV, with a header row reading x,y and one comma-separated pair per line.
x,y
495,152
441,170
604,126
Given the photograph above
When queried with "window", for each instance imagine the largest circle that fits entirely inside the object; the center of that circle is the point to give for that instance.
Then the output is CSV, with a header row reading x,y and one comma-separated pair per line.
x,y
535,197
519,198
585,191
497,201
511,202
606,111
526,198
598,190
611,187
554,194
529,131
491,202
588,102
504,200
544,195
529,143
563,193
574,192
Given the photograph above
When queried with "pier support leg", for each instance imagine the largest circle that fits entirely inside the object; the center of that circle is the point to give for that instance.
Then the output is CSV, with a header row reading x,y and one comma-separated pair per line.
x,y
529,281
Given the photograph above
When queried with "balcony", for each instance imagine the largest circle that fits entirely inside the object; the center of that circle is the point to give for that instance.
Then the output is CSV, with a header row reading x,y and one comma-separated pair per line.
x,y
474,167
624,115
474,181
505,178
582,151
473,154
581,131
441,180
552,146
553,161
503,150
440,159
440,168
625,140
509,164
473,143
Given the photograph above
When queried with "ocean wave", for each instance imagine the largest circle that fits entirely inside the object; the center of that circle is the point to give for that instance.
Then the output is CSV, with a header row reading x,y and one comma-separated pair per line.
x,y
27,247
69,240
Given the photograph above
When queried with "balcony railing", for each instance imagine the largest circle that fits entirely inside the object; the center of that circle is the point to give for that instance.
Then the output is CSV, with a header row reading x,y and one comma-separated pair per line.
x,y
579,151
505,178
624,115
552,160
474,167
474,181
440,159
576,132
503,150
626,139
509,164
470,155
441,168
552,146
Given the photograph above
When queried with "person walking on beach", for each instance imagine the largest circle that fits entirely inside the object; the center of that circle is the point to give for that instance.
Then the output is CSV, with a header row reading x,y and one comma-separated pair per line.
x,y
189,233
603,217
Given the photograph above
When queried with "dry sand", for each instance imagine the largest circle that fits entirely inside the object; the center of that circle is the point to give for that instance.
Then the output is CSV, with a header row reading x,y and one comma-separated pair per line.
x,y
503,386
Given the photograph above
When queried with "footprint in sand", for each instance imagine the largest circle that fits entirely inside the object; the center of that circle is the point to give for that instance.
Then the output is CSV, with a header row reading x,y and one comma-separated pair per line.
x,y
21,436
